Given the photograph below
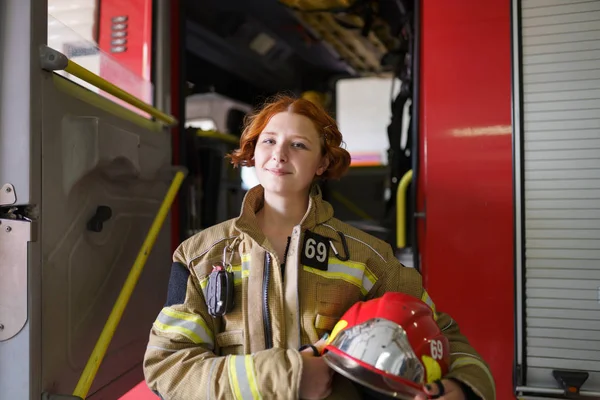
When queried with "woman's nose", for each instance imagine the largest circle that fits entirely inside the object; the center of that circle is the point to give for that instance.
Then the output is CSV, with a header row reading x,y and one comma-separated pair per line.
x,y
279,155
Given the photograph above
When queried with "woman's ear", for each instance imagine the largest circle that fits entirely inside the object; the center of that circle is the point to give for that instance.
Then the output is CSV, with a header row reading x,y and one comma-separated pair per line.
x,y
323,165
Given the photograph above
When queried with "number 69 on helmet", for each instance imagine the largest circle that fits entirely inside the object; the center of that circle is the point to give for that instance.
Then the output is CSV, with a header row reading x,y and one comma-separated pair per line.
x,y
391,345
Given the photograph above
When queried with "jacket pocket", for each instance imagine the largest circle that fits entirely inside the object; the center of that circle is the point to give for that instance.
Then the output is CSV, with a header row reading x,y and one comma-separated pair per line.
x,y
325,323
230,342
334,299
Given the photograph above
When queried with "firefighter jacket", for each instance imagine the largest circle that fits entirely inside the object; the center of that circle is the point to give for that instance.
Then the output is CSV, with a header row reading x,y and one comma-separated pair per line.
x,y
252,352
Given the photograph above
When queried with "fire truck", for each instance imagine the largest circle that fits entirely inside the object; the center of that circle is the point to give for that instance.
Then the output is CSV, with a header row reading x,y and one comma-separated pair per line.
x,y
474,130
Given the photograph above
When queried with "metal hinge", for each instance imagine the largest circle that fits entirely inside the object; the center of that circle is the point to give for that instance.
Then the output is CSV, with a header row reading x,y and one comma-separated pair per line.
x,y
15,236
7,195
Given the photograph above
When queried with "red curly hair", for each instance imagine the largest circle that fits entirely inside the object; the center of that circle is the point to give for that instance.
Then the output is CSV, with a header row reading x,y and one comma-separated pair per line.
x,y
331,138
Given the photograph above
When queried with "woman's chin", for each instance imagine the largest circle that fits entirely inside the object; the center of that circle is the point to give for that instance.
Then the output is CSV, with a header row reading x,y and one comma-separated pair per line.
x,y
283,189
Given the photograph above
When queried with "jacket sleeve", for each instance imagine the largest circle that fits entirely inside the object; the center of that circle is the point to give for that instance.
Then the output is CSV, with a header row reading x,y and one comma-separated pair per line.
x,y
466,365
181,362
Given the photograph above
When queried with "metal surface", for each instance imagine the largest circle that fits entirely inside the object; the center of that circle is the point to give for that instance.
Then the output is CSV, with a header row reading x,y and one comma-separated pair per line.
x,y
91,368
517,104
355,372
467,176
14,239
384,345
94,157
561,161
7,195
162,60
527,392
24,28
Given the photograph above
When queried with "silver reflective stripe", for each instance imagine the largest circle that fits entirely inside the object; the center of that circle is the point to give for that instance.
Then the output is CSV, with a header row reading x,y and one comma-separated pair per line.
x,y
240,366
356,273
245,265
367,283
189,325
237,275
242,378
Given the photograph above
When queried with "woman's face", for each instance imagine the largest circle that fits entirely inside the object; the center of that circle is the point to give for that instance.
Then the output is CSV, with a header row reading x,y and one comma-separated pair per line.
x,y
288,154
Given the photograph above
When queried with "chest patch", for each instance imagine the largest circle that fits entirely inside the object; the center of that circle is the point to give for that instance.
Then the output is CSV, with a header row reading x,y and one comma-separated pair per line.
x,y
315,251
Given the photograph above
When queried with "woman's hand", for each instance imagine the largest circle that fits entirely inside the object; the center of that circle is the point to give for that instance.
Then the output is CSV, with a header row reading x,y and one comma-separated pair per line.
x,y
315,383
450,391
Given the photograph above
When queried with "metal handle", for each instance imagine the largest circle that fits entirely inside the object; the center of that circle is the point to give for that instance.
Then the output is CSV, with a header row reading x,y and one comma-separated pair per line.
x,y
93,364
53,60
401,209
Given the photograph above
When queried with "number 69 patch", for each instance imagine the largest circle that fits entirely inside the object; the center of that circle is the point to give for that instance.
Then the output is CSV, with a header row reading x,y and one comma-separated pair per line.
x,y
315,251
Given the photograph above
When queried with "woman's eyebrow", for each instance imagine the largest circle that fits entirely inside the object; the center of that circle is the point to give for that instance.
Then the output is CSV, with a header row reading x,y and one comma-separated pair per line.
x,y
297,136
303,137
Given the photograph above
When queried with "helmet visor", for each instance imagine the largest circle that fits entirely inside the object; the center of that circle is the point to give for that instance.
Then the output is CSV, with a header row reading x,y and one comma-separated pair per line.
x,y
378,355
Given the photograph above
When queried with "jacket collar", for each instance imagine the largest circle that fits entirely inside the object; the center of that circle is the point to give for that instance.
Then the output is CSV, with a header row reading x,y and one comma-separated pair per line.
x,y
318,212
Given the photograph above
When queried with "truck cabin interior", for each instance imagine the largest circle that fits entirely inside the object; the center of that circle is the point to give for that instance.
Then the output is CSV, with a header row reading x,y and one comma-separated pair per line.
x,y
245,50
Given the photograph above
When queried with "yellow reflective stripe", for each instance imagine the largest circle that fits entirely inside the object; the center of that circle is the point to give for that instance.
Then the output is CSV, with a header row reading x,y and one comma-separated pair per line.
x,y
245,265
237,274
233,381
369,279
427,300
242,378
355,273
251,374
189,325
472,360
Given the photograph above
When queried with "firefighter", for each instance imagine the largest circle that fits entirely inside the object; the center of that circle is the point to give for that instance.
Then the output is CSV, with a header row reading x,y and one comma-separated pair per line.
x,y
251,300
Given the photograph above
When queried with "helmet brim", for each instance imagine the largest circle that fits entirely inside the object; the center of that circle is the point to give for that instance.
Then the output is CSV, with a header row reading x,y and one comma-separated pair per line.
x,y
370,377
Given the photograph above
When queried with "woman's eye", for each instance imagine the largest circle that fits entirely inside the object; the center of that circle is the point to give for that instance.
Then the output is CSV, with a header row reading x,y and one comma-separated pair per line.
x,y
299,145
269,141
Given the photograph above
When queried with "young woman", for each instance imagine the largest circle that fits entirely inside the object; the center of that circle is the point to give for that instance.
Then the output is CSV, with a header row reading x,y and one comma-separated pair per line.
x,y
293,270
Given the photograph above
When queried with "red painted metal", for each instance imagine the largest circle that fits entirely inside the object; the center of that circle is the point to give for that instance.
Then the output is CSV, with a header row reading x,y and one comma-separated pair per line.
x,y
137,56
466,173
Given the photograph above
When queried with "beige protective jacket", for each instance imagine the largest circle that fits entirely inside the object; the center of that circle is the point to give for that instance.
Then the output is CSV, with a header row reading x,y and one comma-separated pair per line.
x,y
251,352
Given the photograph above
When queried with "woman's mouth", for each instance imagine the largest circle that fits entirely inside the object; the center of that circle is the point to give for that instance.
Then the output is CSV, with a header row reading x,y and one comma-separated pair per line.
x,y
277,172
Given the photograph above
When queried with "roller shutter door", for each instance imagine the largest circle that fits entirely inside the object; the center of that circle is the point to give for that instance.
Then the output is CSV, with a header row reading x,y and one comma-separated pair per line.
x,y
560,68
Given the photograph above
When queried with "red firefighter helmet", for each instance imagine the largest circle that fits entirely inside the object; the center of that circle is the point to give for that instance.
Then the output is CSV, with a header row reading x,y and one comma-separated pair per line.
x,y
391,344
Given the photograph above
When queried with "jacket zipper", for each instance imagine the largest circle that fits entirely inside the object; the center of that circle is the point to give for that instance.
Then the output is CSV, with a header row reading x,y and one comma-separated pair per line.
x,y
287,247
266,316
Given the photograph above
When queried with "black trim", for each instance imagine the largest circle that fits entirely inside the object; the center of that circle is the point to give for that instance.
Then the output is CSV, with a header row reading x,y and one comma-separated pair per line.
x,y
314,349
282,266
415,115
346,256
468,392
520,371
177,284
266,315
